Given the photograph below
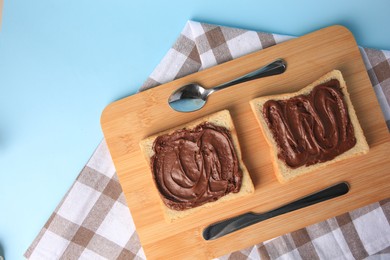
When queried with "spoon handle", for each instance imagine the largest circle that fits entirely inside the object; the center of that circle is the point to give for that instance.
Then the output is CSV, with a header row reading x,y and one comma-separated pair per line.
x,y
233,224
274,68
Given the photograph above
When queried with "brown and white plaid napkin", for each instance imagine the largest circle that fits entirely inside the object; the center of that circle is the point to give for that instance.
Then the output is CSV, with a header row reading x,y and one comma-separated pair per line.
x,y
93,221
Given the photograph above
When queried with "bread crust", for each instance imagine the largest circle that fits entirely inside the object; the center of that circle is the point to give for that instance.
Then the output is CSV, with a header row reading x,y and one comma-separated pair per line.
x,y
221,118
283,172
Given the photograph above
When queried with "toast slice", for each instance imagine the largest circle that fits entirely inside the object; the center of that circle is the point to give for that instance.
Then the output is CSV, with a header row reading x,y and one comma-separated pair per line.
x,y
291,140
221,119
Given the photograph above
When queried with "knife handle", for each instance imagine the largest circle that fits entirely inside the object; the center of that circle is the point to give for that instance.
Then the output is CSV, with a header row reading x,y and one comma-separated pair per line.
x,y
230,225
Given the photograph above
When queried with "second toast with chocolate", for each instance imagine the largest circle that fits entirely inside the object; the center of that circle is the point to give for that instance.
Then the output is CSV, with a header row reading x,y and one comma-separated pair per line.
x,y
311,128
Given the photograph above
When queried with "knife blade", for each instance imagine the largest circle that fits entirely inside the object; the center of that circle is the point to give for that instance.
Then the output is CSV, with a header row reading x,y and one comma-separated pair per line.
x,y
228,226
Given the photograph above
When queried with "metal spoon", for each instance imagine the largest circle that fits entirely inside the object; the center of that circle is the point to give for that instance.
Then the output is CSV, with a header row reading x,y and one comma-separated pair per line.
x,y
193,96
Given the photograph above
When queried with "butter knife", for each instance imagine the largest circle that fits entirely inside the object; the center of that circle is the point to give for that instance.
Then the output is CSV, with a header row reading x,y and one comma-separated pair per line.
x,y
233,224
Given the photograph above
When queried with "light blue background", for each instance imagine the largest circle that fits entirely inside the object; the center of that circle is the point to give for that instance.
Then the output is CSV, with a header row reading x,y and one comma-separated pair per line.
x,y
62,62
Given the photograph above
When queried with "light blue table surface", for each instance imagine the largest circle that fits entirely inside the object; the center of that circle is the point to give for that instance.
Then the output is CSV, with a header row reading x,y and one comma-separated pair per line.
x,y
62,62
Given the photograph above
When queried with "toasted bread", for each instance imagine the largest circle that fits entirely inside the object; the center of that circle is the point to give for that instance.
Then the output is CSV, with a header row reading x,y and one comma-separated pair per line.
x,y
222,119
284,172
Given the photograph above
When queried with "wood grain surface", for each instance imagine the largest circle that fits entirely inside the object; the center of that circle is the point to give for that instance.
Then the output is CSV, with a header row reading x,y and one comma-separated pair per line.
x,y
127,121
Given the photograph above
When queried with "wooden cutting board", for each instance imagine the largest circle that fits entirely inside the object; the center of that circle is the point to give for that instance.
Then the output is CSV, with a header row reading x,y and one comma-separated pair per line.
x,y
127,121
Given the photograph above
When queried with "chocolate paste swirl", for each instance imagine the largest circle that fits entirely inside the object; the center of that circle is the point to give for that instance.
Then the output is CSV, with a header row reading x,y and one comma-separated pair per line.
x,y
193,167
311,128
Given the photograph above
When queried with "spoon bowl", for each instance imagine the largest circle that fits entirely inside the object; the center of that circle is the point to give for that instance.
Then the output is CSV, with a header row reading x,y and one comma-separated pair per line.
x,y
193,96
188,98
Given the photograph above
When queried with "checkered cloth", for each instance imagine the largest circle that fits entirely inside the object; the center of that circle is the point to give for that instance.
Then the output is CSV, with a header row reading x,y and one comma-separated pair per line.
x,y
93,221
